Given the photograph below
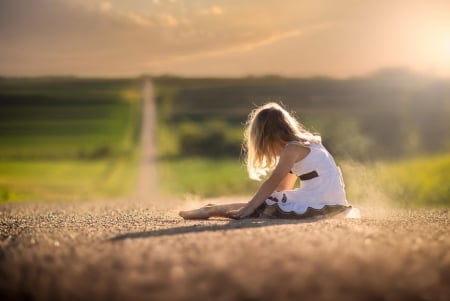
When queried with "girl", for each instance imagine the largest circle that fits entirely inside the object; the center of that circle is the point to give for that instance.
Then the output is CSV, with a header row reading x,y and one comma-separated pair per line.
x,y
275,141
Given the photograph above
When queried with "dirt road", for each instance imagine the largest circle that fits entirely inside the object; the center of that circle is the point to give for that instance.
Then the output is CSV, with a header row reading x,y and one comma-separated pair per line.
x,y
146,181
137,251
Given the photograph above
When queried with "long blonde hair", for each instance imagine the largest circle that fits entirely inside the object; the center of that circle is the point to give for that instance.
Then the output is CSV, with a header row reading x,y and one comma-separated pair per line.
x,y
269,127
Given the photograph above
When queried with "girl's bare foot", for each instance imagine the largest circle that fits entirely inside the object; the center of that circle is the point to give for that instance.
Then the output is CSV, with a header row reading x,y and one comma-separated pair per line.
x,y
201,213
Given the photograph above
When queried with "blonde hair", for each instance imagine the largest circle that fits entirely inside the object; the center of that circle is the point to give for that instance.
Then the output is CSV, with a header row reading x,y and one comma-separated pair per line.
x,y
268,128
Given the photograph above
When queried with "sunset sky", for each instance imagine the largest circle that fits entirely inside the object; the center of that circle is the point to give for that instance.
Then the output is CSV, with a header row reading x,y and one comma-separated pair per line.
x,y
339,38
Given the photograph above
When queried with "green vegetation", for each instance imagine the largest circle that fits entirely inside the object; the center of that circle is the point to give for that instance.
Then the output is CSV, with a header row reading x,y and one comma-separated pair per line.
x,y
413,182
419,182
391,117
204,177
388,115
70,139
66,179
67,138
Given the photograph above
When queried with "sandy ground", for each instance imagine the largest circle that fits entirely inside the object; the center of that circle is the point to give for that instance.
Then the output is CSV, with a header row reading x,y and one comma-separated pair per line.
x,y
121,250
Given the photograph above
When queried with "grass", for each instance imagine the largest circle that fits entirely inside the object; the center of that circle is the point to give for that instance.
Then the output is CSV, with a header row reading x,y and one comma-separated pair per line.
x,y
67,118
421,182
66,179
204,177
68,138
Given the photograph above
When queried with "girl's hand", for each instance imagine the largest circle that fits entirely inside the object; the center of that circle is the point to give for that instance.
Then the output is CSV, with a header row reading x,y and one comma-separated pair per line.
x,y
241,213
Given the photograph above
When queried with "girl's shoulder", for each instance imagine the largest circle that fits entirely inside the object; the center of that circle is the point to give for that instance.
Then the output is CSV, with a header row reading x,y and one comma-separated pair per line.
x,y
300,143
301,149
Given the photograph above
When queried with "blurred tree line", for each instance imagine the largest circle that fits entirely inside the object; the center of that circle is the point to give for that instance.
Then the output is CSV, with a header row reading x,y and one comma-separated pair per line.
x,y
389,114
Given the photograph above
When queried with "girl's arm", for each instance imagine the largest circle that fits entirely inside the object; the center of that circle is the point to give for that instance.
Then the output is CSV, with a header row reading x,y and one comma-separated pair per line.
x,y
290,154
287,183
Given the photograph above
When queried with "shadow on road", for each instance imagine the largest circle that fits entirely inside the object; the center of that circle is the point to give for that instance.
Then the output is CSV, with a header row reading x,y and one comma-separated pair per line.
x,y
233,224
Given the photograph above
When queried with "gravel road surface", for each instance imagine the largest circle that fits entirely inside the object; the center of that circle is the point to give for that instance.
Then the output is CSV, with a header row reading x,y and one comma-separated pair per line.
x,y
121,250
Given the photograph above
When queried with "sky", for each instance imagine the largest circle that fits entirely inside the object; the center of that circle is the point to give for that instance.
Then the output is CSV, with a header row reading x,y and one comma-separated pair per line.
x,y
336,38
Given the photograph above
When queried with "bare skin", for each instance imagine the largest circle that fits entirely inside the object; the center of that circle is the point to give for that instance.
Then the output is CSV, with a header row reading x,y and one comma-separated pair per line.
x,y
279,180
211,210
287,183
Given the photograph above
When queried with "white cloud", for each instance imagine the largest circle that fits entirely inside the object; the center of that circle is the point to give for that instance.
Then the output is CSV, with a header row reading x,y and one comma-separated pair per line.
x,y
105,6
168,20
243,47
80,36
213,10
110,12
138,19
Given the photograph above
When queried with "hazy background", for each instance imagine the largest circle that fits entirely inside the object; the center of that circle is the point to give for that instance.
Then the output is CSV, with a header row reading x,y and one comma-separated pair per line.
x,y
372,77
223,38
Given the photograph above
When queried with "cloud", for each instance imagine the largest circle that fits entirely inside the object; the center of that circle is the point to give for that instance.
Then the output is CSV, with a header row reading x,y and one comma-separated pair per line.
x,y
105,6
138,19
213,10
266,41
55,35
168,20
244,47
157,2
114,37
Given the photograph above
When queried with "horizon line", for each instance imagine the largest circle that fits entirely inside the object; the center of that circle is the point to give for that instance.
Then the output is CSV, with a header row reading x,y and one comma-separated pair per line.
x,y
377,72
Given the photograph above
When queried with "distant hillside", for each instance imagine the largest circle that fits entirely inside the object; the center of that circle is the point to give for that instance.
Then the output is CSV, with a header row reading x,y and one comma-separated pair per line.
x,y
61,118
390,113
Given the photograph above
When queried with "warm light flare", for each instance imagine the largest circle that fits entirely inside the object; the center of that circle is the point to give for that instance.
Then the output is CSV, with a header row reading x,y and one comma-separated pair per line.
x,y
446,47
439,54
430,45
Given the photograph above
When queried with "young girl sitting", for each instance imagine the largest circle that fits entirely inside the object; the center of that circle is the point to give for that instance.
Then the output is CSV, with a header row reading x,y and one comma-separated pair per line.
x,y
275,141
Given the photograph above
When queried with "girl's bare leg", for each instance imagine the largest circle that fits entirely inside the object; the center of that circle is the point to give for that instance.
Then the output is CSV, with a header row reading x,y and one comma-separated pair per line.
x,y
211,211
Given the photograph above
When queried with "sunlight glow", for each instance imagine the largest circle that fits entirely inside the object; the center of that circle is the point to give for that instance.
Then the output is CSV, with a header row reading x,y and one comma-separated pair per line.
x,y
432,46
441,54
446,47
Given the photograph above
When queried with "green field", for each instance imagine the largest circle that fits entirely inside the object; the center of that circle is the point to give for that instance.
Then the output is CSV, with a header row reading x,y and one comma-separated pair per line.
x,y
66,180
74,139
424,181
68,138
204,177
421,182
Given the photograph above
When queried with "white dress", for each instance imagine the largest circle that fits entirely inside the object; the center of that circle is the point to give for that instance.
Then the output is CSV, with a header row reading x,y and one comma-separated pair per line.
x,y
321,192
